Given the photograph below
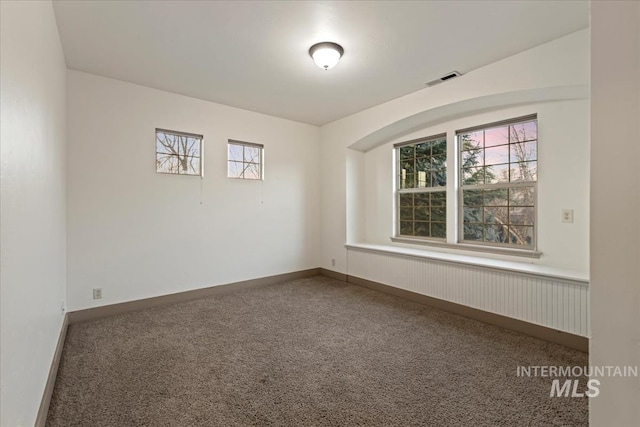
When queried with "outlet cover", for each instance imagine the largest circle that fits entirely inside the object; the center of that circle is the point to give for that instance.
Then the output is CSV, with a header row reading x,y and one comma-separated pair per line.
x,y
567,215
97,293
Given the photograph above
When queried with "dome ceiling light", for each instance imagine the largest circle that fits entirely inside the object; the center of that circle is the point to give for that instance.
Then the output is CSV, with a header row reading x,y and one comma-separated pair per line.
x,y
326,54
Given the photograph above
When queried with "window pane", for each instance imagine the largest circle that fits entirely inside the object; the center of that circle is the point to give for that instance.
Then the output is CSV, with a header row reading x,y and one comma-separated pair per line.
x,y
421,199
496,155
168,142
439,230
423,164
496,174
166,163
472,214
235,152
525,171
251,154
423,150
496,197
471,140
406,200
496,136
406,214
438,198
472,197
438,162
406,153
423,175
521,196
408,181
524,132
251,171
472,176
496,215
181,142
521,216
472,158
406,228
164,144
472,232
496,233
421,214
439,148
407,167
188,146
422,229
438,214
235,170
521,235
439,178
190,165
524,151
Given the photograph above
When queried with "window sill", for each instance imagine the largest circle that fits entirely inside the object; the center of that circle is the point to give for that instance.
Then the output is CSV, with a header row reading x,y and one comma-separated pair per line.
x,y
494,264
527,253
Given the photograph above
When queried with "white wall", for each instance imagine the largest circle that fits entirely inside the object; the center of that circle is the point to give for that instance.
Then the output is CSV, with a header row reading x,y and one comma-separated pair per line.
x,y
563,155
615,207
138,234
560,63
33,204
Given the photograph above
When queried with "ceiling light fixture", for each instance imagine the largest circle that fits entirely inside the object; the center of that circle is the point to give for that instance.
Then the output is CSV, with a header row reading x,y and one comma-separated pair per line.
x,y
326,54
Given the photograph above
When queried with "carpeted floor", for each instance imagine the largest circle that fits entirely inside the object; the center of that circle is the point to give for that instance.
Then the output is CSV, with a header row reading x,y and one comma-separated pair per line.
x,y
312,352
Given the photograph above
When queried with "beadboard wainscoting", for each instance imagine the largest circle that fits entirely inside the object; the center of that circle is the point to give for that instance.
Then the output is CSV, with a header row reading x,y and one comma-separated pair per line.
x,y
553,301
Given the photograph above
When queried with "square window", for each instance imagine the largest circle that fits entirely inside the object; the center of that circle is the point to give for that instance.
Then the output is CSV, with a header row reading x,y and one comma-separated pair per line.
x,y
178,153
245,160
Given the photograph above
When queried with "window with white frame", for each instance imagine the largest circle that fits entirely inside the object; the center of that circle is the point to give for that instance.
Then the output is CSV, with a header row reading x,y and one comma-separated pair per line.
x,y
421,188
495,179
178,153
245,160
498,176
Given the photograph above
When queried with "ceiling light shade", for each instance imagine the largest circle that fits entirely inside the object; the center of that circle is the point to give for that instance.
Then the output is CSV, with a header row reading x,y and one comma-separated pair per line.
x,y
326,54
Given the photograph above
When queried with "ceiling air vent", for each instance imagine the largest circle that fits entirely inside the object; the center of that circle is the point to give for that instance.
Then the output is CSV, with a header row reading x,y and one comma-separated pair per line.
x,y
446,77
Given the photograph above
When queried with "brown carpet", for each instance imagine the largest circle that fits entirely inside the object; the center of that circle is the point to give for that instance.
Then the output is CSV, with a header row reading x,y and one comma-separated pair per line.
x,y
312,352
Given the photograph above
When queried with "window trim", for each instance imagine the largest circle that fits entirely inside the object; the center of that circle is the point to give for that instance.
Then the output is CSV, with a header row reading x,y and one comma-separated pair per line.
x,y
500,250
246,144
491,246
199,137
442,135
499,123
398,191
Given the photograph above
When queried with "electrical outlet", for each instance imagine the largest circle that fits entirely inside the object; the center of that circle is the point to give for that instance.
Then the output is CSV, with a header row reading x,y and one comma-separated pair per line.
x,y
567,215
333,262
97,293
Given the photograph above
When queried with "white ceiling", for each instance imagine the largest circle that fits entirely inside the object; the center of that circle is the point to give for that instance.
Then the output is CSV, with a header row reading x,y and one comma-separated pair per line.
x,y
254,55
